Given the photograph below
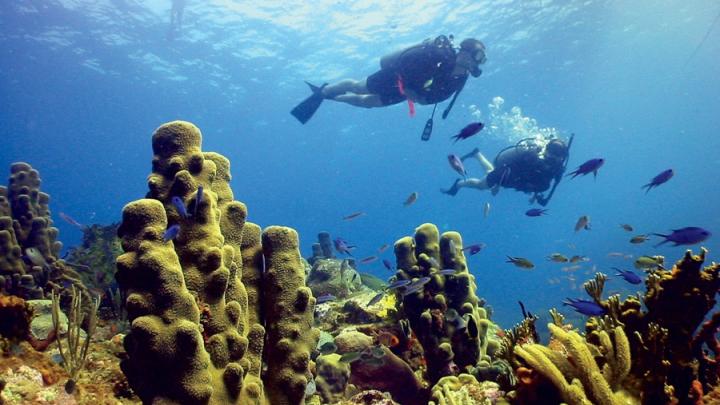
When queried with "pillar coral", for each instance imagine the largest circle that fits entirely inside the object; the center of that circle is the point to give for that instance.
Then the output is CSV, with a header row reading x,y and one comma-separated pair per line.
x,y
447,348
200,304
26,229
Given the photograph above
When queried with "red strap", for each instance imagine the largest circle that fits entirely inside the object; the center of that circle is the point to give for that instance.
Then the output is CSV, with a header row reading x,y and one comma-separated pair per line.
x,y
401,89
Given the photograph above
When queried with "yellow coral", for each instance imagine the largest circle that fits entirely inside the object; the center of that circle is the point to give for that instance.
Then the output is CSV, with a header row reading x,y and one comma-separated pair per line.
x,y
588,384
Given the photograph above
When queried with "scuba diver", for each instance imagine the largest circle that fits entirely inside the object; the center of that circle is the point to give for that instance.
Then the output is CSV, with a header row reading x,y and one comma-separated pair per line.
x,y
529,166
427,73
176,16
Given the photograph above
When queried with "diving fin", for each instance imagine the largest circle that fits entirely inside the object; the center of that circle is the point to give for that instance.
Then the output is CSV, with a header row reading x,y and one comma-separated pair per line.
x,y
306,109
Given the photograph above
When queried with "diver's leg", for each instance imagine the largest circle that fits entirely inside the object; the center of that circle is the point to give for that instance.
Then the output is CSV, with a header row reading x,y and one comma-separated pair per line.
x,y
475,153
478,184
360,100
345,86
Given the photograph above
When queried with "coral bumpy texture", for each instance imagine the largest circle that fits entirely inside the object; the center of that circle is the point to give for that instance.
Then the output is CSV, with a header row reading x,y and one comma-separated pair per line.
x,y
222,301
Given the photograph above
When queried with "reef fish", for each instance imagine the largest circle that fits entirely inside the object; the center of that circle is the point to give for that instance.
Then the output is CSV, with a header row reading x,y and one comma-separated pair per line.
x,y
411,199
387,264
342,246
474,248
353,216
447,272
398,284
179,205
486,210
648,262
350,357
536,212
661,178
325,298
582,223
521,262
35,257
171,233
627,227
585,307
198,199
457,165
469,130
383,248
558,258
578,258
685,236
368,260
628,275
327,348
374,300
591,166
639,239
70,220
387,339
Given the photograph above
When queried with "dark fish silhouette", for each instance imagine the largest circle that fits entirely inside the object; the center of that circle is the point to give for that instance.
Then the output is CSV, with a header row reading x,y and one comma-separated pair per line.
x,y
342,246
628,275
325,298
685,236
353,216
585,307
474,248
469,130
591,166
535,212
387,264
659,179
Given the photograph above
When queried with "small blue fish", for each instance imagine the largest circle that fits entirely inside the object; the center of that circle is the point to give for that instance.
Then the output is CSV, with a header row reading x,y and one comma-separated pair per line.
x,y
447,272
374,300
475,248
628,275
469,130
536,212
591,166
171,233
434,262
198,199
659,179
585,307
419,282
325,298
179,206
398,284
685,236
387,264
341,245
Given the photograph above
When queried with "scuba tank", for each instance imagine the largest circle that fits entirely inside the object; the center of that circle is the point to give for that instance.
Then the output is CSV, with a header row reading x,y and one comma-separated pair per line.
x,y
392,61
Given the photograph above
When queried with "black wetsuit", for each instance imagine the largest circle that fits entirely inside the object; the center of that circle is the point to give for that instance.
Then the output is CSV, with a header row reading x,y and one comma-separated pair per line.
x,y
523,169
425,69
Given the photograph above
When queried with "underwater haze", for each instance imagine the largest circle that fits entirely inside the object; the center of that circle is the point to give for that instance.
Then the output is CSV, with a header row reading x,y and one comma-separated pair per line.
x,y
83,84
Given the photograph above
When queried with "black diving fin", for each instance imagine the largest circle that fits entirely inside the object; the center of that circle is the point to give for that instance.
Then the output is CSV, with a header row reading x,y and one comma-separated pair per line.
x,y
306,109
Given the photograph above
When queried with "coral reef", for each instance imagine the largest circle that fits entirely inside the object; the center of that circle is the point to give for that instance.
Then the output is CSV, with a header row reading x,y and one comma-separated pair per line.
x,y
29,249
198,292
665,350
465,389
16,315
95,257
444,313
568,362
332,276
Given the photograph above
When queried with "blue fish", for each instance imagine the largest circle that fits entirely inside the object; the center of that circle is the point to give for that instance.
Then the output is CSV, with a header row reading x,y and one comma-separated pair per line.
x,y
387,264
447,272
685,236
585,307
179,206
535,212
325,298
469,130
591,166
171,233
628,275
198,199
659,179
398,284
341,245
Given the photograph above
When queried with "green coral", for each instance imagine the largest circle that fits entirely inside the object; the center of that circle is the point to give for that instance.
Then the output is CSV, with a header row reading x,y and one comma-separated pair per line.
x,y
447,347
197,304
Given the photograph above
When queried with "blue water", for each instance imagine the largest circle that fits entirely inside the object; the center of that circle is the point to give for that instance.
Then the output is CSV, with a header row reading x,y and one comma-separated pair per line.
x,y
83,84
